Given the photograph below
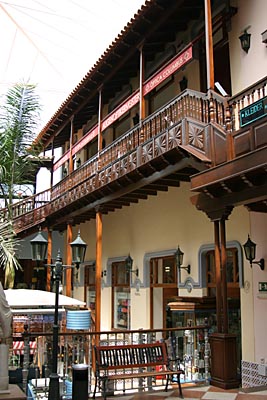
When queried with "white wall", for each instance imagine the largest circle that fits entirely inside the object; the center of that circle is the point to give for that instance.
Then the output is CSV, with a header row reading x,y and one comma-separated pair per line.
x,y
248,68
161,223
259,236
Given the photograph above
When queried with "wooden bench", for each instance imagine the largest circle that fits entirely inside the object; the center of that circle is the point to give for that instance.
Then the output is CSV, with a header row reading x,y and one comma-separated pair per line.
x,y
133,361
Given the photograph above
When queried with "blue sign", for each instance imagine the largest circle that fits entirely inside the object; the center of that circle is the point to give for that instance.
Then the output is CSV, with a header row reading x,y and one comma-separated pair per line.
x,y
253,112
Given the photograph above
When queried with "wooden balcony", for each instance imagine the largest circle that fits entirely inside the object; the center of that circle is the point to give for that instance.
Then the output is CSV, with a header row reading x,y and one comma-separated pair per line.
x,y
188,136
242,179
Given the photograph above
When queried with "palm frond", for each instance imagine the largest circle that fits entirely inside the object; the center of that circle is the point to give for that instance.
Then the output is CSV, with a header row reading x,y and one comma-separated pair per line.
x,y
8,245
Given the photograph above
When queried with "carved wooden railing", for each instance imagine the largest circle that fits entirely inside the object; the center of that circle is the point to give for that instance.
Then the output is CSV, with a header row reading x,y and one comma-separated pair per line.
x,y
246,97
252,137
157,133
27,205
196,105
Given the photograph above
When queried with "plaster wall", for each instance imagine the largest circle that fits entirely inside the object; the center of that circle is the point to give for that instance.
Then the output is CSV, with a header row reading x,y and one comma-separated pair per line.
x,y
259,236
161,223
248,68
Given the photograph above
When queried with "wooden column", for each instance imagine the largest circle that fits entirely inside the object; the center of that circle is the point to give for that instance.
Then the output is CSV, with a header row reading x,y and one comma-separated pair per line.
x,y
100,137
98,270
49,259
141,83
71,142
224,277
218,275
209,45
68,261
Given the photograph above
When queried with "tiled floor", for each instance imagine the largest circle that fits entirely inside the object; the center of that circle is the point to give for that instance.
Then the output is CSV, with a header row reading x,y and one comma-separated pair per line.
x,y
198,392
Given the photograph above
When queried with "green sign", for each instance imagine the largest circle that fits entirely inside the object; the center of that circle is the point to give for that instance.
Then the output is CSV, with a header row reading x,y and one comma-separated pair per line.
x,y
263,287
253,112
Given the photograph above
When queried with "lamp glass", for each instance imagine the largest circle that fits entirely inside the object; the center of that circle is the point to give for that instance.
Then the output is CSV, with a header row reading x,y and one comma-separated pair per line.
x,y
250,250
245,41
39,247
129,263
78,247
179,257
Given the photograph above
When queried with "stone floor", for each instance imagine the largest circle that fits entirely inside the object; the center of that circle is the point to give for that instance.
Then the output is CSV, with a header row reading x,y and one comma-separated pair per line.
x,y
197,392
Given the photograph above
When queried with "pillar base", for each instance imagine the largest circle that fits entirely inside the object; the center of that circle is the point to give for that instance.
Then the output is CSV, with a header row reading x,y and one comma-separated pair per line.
x,y
224,361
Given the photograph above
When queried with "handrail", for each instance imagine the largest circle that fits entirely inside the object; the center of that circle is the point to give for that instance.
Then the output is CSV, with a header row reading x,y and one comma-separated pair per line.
x,y
26,205
189,104
244,98
187,348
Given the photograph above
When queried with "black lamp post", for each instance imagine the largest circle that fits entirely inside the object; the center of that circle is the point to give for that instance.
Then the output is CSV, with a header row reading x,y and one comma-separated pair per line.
x,y
250,253
39,247
179,255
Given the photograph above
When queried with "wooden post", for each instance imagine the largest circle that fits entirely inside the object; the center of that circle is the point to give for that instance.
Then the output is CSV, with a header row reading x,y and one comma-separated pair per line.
x,y
98,270
71,142
209,46
68,261
100,137
49,259
141,82
218,275
224,277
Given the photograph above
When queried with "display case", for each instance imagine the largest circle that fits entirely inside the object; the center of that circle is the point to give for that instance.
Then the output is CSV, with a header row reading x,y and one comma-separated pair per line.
x,y
189,344
122,309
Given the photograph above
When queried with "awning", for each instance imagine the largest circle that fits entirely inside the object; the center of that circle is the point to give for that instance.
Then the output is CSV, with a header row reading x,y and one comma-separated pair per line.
x,y
23,298
18,347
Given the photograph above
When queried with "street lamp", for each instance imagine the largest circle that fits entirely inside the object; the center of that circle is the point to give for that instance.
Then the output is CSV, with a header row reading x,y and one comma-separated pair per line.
x,y
39,248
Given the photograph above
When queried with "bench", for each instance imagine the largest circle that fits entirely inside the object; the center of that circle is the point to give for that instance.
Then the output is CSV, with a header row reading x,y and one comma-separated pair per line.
x,y
133,361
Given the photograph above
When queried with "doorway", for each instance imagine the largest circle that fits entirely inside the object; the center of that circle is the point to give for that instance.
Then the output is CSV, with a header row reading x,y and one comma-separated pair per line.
x,y
163,288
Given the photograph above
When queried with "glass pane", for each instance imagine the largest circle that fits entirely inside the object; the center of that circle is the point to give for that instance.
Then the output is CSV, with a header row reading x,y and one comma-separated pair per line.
x,y
122,308
169,270
91,299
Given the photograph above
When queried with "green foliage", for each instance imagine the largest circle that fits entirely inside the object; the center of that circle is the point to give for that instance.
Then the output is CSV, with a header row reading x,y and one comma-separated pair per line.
x,y
8,259
19,120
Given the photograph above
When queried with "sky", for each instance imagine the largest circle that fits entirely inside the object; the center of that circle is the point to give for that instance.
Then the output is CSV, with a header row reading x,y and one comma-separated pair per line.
x,y
54,43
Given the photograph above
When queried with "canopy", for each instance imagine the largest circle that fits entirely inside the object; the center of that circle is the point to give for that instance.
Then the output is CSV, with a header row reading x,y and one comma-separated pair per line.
x,y
18,298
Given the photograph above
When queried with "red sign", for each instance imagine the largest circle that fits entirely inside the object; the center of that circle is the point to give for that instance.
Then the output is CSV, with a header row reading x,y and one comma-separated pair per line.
x,y
85,139
126,106
61,161
167,71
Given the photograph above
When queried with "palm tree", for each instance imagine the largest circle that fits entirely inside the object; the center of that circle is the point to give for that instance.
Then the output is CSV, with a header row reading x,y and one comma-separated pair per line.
x,y
19,119
8,259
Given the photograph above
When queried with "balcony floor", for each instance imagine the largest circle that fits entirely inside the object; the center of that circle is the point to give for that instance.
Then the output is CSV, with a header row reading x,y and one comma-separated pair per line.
x,y
197,392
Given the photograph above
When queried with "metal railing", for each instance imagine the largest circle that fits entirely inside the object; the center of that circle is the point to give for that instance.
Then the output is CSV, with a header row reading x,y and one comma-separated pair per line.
x,y
187,347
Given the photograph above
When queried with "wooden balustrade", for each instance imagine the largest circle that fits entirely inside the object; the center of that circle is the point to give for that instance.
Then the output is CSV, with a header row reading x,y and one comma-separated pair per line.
x,y
118,157
246,97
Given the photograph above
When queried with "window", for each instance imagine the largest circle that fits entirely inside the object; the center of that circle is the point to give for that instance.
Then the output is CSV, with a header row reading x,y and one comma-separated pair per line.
x,y
89,286
163,271
232,272
121,302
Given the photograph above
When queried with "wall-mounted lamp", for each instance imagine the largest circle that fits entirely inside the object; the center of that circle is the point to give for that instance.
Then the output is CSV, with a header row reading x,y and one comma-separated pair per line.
x,y
183,83
179,255
245,40
129,265
264,37
250,252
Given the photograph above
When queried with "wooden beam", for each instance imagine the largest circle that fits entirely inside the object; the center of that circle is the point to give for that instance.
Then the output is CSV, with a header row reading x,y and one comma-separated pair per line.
x,y
209,46
218,275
